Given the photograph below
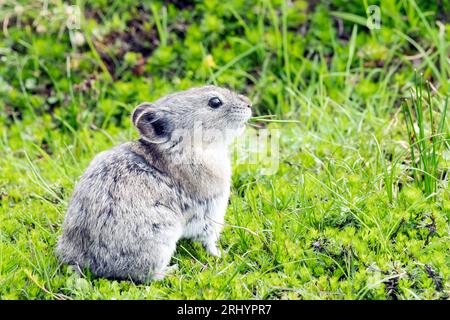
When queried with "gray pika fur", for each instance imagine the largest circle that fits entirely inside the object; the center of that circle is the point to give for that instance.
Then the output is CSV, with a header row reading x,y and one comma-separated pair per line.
x,y
136,200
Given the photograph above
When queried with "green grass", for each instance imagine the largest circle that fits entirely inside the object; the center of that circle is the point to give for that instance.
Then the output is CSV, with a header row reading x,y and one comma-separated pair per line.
x,y
425,147
348,214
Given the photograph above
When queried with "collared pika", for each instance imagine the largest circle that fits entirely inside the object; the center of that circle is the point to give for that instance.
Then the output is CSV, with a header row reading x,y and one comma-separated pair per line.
x,y
136,200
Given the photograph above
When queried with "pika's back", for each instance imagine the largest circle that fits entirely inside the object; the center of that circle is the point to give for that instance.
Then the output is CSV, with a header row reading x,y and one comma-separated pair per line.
x,y
121,173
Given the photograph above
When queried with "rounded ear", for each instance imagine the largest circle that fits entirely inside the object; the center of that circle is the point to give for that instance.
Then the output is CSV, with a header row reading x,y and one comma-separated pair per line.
x,y
139,110
151,123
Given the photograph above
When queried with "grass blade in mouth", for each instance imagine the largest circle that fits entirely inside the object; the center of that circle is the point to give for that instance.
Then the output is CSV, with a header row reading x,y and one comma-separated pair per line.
x,y
268,118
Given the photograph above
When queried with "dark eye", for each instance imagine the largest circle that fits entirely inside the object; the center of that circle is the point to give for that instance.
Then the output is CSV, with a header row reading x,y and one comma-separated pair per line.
x,y
214,102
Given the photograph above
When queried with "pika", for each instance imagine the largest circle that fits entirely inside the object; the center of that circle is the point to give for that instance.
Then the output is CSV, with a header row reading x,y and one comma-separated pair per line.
x,y
136,200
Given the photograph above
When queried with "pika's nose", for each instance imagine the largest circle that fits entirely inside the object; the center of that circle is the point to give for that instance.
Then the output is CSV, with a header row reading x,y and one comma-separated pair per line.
x,y
245,100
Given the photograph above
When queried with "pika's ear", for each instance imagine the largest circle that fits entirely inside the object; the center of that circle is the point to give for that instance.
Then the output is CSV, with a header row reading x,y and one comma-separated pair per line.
x,y
139,110
151,123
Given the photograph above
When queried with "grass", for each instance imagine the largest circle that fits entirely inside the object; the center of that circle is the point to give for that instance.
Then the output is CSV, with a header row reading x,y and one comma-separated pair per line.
x,y
426,167
359,207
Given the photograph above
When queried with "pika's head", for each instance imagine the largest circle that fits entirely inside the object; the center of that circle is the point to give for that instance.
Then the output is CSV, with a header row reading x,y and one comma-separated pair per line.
x,y
213,110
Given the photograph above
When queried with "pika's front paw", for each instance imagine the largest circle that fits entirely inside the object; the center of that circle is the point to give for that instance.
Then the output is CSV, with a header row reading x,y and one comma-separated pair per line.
x,y
213,250
158,276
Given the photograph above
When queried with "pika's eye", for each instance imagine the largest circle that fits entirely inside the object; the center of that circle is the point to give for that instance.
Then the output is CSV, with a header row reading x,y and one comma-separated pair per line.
x,y
214,102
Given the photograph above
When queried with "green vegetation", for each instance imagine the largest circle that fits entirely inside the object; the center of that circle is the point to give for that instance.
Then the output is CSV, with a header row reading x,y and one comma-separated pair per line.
x,y
426,167
360,205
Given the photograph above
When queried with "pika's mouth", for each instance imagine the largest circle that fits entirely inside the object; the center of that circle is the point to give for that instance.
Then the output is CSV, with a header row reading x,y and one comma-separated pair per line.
x,y
239,118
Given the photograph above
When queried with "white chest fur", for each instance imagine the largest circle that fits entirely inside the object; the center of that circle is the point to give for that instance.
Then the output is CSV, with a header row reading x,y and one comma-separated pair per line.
x,y
206,215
